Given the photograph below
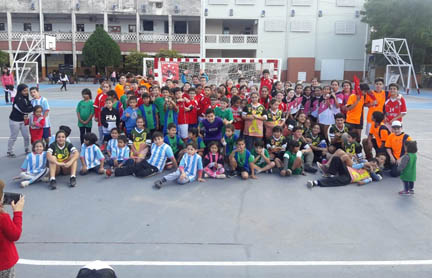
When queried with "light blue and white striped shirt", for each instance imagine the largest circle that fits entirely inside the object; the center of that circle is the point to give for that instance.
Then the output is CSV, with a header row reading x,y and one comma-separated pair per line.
x,y
120,153
191,165
112,143
92,155
45,106
159,155
34,163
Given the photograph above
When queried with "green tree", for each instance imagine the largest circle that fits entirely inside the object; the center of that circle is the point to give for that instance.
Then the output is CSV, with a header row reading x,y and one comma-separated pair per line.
x,y
411,20
4,59
165,53
101,50
134,61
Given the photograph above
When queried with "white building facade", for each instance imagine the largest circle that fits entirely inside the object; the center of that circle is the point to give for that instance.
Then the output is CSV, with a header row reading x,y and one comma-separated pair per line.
x,y
314,38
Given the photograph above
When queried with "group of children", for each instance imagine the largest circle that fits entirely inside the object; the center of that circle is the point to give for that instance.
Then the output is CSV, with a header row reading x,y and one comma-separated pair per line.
x,y
198,129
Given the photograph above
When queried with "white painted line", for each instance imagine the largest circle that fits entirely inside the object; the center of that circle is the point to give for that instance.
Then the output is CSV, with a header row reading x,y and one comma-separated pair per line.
x,y
233,263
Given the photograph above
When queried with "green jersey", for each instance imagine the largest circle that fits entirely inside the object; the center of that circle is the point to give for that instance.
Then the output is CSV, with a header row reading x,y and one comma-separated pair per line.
x,y
409,172
241,157
85,109
160,102
261,161
139,136
291,158
123,100
176,143
150,121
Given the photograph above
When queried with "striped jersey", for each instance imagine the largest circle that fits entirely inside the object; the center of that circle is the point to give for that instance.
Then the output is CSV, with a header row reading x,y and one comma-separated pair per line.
x,y
34,163
191,165
159,155
45,106
112,143
120,153
92,155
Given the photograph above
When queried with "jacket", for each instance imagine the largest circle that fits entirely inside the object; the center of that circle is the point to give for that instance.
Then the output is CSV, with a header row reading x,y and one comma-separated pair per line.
x,y
21,106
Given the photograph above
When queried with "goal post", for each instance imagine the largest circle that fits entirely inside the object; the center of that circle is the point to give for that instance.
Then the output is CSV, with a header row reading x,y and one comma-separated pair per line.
x,y
218,70
27,72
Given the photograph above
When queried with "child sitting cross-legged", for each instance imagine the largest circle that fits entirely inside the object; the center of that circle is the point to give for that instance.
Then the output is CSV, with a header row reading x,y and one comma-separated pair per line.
x,y
92,159
189,170
262,158
293,160
139,147
242,161
34,166
214,162
119,155
112,143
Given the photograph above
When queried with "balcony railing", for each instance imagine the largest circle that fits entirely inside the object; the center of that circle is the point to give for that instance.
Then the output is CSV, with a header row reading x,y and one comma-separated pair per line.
x,y
119,37
231,39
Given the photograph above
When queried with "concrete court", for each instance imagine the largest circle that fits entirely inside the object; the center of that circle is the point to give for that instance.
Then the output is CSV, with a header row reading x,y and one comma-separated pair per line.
x,y
268,219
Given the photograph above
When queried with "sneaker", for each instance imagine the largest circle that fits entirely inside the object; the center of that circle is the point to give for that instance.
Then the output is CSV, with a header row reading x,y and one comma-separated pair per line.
x,y
403,192
221,176
288,172
411,191
270,171
108,173
310,184
53,184
310,169
72,181
158,184
25,183
11,155
206,175
321,168
232,174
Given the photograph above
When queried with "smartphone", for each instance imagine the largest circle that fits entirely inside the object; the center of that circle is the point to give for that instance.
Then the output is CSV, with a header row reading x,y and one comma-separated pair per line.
x,y
9,197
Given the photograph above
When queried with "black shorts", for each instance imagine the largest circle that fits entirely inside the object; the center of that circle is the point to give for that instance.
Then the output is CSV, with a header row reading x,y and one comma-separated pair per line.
x,y
354,126
241,169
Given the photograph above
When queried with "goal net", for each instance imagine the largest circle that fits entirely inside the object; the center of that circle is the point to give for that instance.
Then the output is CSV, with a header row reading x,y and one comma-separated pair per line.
x,y
27,72
400,75
219,70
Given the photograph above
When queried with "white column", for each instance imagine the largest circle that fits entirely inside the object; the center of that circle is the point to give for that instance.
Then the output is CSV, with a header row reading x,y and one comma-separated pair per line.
x,y
170,32
74,55
138,27
202,29
105,21
9,30
42,29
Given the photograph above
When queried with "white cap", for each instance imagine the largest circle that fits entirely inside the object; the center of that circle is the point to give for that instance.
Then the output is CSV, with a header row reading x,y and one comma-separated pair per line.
x,y
396,124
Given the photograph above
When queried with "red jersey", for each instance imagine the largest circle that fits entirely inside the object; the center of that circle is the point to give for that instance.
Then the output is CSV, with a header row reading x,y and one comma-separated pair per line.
x,y
204,104
98,105
393,108
182,113
36,125
193,114
266,101
283,107
237,116
267,82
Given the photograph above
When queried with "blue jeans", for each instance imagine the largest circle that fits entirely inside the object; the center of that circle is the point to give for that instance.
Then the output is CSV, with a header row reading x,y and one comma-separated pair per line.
x,y
408,185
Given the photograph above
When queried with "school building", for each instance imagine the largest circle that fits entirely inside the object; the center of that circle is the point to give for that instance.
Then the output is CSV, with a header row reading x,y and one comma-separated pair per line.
x,y
322,38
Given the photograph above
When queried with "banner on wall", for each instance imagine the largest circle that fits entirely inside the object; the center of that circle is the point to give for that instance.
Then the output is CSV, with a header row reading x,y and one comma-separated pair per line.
x,y
170,70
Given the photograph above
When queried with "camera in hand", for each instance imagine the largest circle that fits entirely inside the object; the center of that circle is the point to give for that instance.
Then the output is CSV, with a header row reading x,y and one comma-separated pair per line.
x,y
9,197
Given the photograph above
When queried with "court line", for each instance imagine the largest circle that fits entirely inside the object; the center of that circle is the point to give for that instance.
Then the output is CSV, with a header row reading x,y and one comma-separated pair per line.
x,y
230,263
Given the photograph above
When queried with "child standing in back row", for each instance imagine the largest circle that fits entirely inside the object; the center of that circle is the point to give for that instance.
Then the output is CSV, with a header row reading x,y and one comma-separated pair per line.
x,y
85,112
407,166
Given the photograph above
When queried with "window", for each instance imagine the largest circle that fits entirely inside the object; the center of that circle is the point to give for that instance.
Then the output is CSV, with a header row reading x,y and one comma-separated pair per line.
x,y
301,26
180,27
2,26
166,29
47,27
114,29
218,2
345,27
80,28
345,3
148,25
99,25
302,2
132,28
27,27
